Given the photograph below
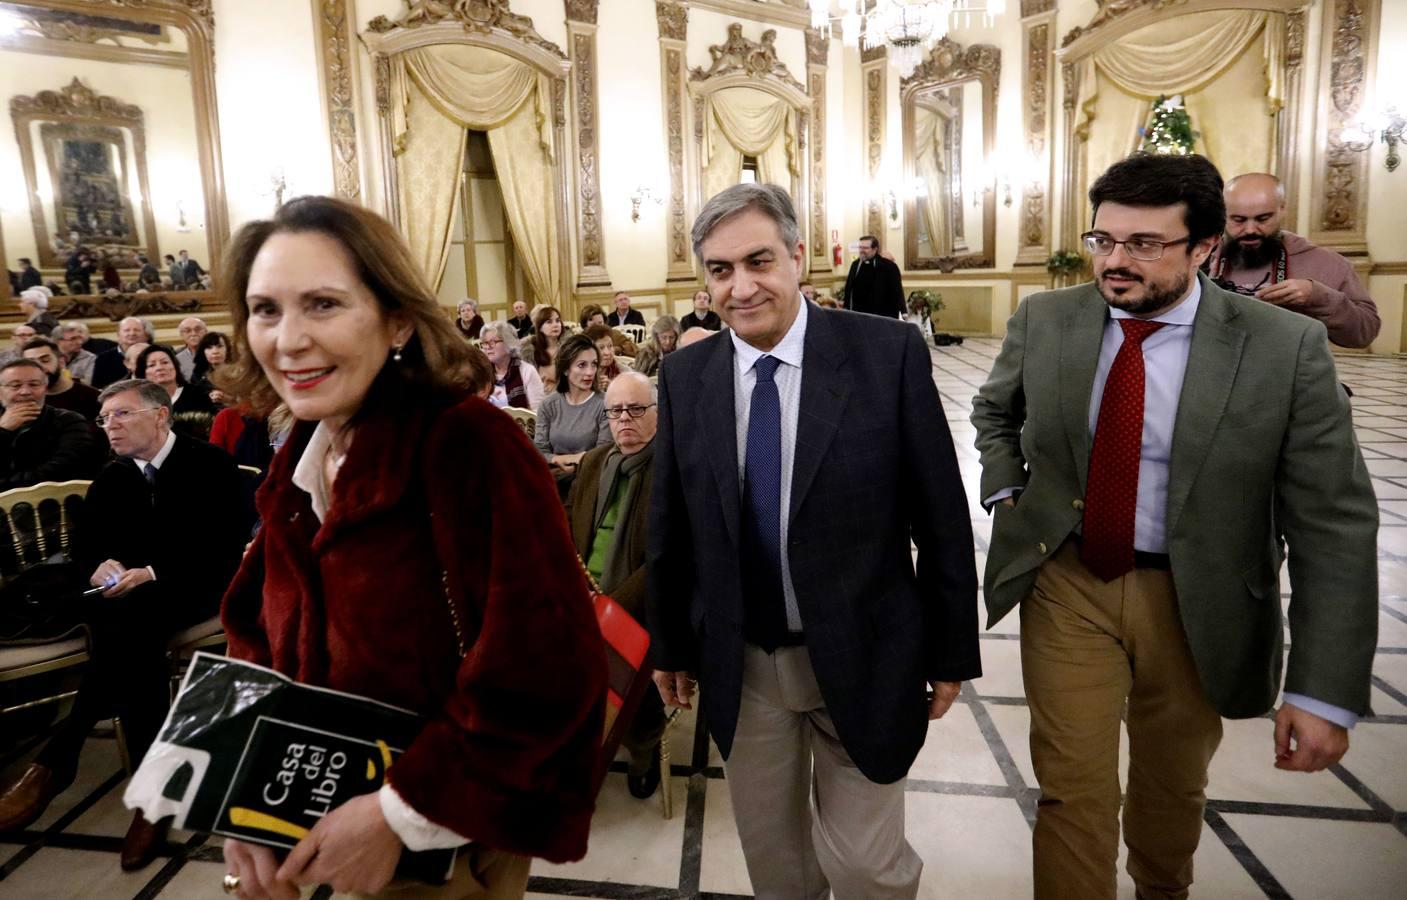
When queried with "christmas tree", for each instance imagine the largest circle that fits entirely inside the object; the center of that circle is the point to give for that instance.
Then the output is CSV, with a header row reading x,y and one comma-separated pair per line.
x,y
1169,130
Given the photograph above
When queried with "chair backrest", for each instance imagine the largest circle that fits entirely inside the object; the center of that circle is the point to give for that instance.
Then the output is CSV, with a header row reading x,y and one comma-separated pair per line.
x,y
628,360
526,419
628,674
13,500
635,332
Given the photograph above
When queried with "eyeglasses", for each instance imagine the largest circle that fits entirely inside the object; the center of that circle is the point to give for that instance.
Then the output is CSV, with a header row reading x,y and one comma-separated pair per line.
x,y
635,410
120,416
489,343
1145,249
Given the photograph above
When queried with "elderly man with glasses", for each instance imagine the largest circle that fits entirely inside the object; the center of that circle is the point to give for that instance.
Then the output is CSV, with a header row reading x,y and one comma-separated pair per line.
x,y
607,509
154,576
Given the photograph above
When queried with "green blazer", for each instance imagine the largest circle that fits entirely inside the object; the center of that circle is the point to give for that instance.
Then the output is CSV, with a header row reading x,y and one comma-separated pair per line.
x,y
1263,455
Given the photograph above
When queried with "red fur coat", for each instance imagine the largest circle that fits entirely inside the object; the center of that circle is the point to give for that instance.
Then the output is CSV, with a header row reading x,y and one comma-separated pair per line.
x,y
357,604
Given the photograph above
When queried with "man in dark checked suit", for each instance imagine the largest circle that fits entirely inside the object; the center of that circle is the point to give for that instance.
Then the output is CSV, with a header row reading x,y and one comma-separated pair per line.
x,y
1150,445
780,568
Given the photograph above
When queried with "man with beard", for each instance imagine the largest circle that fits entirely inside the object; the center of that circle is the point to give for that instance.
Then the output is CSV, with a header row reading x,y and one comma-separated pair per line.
x,y
64,391
1263,260
1149,444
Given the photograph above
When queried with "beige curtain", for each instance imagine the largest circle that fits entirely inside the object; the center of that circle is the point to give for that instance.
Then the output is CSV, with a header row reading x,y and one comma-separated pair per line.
x,y
931,166
745,121
475,88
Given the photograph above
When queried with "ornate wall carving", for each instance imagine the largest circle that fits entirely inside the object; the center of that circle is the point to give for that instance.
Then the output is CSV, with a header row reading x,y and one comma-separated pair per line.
x,y
588,176
1347,24
818,47
738,55
1111,11
1287,162
1036,7
673,19
583,11
820,249
334,45
874,144
482,16
1034,248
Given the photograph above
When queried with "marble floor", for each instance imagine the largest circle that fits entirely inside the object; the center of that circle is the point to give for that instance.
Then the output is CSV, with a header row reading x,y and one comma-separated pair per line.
x,y
971,795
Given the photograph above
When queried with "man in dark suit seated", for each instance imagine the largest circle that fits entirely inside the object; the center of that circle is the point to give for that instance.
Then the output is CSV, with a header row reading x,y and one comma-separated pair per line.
x,y
161,576
111,364
607,510
624,315
39,442
798,455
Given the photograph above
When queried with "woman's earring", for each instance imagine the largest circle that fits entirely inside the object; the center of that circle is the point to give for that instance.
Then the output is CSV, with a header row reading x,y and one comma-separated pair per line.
x,y
397,355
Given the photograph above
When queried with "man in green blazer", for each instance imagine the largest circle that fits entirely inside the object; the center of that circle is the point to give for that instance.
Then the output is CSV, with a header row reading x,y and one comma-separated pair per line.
x,y
1150,444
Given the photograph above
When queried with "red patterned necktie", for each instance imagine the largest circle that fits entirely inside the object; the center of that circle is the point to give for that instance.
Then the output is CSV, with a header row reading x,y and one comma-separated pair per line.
x,y
1111,497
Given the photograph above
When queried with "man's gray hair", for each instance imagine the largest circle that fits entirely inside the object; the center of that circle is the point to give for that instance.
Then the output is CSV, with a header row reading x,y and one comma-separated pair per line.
x,y
772,201
506,333
146,326
152,394
80,327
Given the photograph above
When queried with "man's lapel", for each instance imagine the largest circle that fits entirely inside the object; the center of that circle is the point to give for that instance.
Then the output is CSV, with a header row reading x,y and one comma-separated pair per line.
x,y
1081,334
1211,371
720,429
826,384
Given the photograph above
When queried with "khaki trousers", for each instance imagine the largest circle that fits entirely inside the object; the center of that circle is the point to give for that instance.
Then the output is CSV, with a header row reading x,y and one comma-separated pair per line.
x,y
1088,649
479,872
809,821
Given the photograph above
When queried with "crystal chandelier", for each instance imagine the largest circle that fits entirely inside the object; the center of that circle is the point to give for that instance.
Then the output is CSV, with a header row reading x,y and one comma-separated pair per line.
x,y
909,28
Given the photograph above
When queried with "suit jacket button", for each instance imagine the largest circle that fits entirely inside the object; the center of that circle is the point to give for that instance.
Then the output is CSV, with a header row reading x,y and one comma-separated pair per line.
x,y
1078,504
1041,547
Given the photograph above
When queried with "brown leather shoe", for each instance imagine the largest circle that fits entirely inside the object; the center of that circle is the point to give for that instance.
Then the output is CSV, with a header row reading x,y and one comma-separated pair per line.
x,y
143,842
25,799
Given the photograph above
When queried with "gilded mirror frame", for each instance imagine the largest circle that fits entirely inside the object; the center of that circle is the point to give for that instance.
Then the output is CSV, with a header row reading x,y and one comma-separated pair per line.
x,y
950,65
195,18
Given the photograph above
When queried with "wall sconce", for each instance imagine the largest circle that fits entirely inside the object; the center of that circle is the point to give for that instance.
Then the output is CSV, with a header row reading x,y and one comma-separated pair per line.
x,y
642,193
181,225
1368,129
278,184
891,203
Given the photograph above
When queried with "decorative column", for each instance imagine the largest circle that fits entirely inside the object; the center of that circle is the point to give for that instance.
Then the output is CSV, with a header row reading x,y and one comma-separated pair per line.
x,y
1071,205
581,48
1339,211
1038,28
1287,160
334,29
673,20
817,52
874,68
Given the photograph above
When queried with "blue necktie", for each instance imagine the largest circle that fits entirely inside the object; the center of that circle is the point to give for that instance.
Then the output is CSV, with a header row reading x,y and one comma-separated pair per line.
x,y
149,471
765,622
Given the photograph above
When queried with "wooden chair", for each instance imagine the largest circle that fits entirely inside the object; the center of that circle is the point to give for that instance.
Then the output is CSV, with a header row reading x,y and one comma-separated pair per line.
x,y
526,419
32,546
636,333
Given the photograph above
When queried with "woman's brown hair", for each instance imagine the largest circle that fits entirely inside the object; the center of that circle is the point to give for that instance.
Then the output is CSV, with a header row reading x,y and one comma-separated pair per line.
x,y
539,340
436,357
567,353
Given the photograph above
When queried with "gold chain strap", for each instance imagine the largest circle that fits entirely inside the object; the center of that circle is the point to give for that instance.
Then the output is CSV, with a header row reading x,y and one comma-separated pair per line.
x,y
595,588
453,614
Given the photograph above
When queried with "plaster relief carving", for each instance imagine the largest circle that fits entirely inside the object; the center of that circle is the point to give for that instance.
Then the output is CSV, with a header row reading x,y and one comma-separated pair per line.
x,y
583,11
673,19
1343,168
818,164
588,176
341,107
482,16
818,47
674,121
874,140
740,55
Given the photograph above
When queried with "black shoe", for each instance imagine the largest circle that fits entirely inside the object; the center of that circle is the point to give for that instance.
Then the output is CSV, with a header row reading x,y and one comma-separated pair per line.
x,y
642,787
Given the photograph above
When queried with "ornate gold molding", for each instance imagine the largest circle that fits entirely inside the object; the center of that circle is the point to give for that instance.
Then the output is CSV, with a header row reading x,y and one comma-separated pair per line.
x,y
481,16
42,46
817,52
77,111
334,46
1350,32
740,56
1036,7
590,244
818,47
583,11
672,19
1288,118
776,12
1034,245
874,142
1111,11
947,61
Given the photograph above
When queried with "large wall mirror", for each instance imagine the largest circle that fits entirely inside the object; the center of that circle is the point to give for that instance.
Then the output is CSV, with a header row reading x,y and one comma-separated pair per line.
x,y
114,144
949,105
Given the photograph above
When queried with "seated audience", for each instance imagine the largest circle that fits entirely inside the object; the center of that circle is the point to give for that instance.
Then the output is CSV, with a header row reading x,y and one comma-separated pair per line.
x,y
192,411
694,335
93,345
544,344
112,279
213,351
40,442
129,359
515,381
114,364
703,315
149,276
572,419
21,335
28,276
522,322
191,330
604,339
78,273
162,576
64,392
34,303
78,361
591,314
623,314
664,336
608,509
469,322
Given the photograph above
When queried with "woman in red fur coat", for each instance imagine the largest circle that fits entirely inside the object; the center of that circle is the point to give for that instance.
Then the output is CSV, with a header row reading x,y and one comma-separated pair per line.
x,y
414,551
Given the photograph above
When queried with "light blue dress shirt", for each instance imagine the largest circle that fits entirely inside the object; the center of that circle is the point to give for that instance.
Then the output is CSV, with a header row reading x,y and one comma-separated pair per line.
x,y
788,378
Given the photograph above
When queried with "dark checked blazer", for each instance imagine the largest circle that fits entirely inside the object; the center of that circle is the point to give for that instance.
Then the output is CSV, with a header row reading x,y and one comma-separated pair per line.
x,y
1263,455
874,469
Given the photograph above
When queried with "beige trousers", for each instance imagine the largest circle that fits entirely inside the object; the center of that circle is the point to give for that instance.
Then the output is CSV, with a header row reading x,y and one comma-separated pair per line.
x,y
809,821
479,872
1089,650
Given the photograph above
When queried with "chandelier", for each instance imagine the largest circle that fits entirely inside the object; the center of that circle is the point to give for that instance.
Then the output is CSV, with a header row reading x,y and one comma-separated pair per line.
x,y
909,28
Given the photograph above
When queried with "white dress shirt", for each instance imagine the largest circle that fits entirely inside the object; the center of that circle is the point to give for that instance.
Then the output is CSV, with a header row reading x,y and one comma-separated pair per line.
x,y
414,830
789,351
155,462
